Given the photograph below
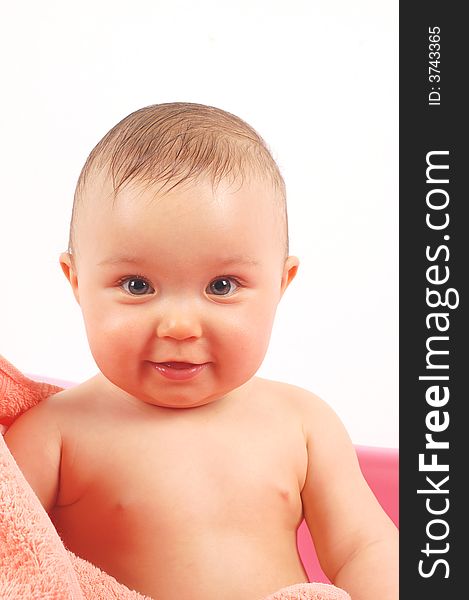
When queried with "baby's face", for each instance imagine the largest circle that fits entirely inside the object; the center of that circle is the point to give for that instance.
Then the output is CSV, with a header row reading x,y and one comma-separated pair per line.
x,y
192,276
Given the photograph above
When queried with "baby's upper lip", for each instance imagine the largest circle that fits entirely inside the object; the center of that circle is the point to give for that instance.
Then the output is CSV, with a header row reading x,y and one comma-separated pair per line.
x,y
189,362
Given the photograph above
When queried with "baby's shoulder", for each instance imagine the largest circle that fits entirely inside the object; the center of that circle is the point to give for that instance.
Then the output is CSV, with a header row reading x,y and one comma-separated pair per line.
x,y
62,401
316,415
71,406
290,396
53,406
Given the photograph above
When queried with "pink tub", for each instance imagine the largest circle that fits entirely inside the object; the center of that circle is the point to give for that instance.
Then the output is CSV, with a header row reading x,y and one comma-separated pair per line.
x,y
380,466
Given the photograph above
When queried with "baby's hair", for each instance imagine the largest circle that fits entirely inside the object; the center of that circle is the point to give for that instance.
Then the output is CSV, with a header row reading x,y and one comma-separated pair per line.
x,y
168,144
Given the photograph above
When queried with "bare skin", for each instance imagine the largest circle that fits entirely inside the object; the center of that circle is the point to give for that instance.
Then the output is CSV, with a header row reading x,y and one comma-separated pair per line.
x,y
195,489
183,503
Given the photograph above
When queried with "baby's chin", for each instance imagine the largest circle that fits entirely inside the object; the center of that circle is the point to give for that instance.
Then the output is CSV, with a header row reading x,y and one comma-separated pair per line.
x,y
190,398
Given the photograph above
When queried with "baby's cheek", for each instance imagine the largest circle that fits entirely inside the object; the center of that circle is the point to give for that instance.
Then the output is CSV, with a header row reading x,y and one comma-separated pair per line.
x,y
250,336
111,335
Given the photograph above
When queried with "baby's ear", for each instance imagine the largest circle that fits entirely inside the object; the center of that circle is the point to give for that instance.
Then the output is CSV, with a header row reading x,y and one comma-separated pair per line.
x,y
289,271
68,267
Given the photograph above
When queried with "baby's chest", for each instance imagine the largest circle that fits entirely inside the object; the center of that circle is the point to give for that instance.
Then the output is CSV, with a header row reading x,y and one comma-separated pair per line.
x,y
168,476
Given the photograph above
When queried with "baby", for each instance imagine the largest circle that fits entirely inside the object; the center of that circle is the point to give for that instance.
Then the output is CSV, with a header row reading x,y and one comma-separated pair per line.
x,y
176,469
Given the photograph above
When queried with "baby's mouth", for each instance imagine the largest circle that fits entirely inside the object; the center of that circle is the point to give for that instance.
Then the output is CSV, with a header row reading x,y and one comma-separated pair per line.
x,y
179,371
177,365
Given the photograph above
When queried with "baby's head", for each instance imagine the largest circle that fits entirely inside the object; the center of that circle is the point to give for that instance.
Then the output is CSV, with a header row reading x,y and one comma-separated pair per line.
x,y
178,252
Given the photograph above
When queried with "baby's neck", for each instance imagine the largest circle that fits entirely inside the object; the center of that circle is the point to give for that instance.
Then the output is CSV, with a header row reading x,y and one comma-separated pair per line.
x,y
108,392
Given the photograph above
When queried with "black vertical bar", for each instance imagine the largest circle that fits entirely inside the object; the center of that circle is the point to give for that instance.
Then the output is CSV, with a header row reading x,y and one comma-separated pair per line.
x,y
434,268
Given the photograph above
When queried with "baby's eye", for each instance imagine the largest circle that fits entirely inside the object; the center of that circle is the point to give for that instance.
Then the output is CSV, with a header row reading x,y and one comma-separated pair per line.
x,y
222,286
136,286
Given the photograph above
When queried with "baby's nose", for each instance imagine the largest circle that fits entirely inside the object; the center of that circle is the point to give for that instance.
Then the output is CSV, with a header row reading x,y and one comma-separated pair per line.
x,y
179,324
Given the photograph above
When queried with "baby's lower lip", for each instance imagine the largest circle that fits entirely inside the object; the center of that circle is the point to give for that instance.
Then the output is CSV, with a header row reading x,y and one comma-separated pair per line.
x,y
178,371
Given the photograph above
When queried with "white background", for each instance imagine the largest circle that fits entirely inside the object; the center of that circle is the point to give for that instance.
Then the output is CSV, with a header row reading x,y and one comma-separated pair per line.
x,y
317,79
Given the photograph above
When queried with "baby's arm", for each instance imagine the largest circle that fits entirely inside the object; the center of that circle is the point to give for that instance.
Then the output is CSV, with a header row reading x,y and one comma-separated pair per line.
x,y
35,442
356,542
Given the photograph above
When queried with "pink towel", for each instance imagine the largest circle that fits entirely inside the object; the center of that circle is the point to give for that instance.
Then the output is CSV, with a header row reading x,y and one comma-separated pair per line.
x,y
34,563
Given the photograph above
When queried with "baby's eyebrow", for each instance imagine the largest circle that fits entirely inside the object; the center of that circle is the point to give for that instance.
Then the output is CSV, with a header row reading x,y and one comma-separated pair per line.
x,y
237,260
114,260
231,260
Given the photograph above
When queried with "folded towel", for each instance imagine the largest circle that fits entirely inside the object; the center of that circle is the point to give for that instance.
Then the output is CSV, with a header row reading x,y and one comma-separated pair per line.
x,y
34,563
310,591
